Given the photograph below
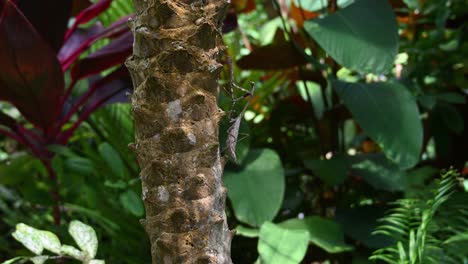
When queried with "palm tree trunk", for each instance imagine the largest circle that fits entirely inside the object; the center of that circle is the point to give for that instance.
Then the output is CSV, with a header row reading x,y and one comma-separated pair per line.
x,y
175,73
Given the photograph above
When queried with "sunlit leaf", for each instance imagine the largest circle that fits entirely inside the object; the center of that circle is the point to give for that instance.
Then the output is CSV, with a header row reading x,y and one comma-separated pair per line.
x,y
362,37
324,233
388,113
279,245
84,236
257,189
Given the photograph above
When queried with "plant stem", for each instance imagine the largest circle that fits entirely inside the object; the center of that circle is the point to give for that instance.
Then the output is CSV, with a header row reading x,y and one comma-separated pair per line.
x,y
54,191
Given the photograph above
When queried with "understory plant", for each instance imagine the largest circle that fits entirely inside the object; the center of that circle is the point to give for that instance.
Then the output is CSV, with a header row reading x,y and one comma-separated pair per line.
x,y
42,61
432,229
37,241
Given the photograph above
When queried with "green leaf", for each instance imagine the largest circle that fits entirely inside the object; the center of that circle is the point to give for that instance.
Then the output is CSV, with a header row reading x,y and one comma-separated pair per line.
x,y
313,6
278,245
359,223
132,203
247,232
324,233
112,158
80,165
257,190
36,240
361,37
457,238
332,171
39,259
388,113
72,252
379,172
84,236
13,260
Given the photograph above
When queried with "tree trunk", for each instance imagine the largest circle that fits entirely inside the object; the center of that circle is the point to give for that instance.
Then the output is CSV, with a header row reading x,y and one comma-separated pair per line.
x,y
175,73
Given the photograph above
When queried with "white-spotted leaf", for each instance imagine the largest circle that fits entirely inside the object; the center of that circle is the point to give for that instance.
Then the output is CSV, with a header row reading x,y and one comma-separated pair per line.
x,y
72,252
85,237
39,259
29,237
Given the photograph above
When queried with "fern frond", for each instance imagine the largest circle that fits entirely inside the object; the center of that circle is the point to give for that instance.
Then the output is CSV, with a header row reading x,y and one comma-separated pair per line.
x,y
420,238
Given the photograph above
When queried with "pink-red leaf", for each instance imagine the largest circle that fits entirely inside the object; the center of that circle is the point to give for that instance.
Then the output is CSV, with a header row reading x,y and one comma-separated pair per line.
x,y
75,46
88,14
112,54
30,74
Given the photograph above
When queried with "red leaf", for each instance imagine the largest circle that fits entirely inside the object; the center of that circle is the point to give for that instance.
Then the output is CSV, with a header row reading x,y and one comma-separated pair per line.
x,y
88,14
112,88
30,74
76,45
49,18
113,54
79,5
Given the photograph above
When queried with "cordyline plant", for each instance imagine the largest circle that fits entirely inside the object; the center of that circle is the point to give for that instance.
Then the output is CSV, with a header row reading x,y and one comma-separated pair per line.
x,y
36,49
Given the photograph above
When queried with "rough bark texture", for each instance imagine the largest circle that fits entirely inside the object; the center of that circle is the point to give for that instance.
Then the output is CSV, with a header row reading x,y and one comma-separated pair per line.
x,y
175,73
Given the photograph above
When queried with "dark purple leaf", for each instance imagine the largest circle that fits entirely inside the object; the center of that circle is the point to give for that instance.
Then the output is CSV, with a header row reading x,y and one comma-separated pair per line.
x,y
7,121
68,57
230,22
79,5
88,14
114,87
77,39
112,54
49,18
30,74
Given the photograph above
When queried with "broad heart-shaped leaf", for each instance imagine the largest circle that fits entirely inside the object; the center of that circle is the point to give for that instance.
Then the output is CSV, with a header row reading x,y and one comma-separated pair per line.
x,y
278,245
332,171
30,74
85,237
257,190
49,18
378,171
36,240
324,233
361,37
388,113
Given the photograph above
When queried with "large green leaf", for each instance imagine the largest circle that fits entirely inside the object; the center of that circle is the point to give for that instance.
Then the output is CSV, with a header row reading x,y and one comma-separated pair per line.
x,y
362,36
331,171
388,113
324,233
281,246
379,172
257,190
